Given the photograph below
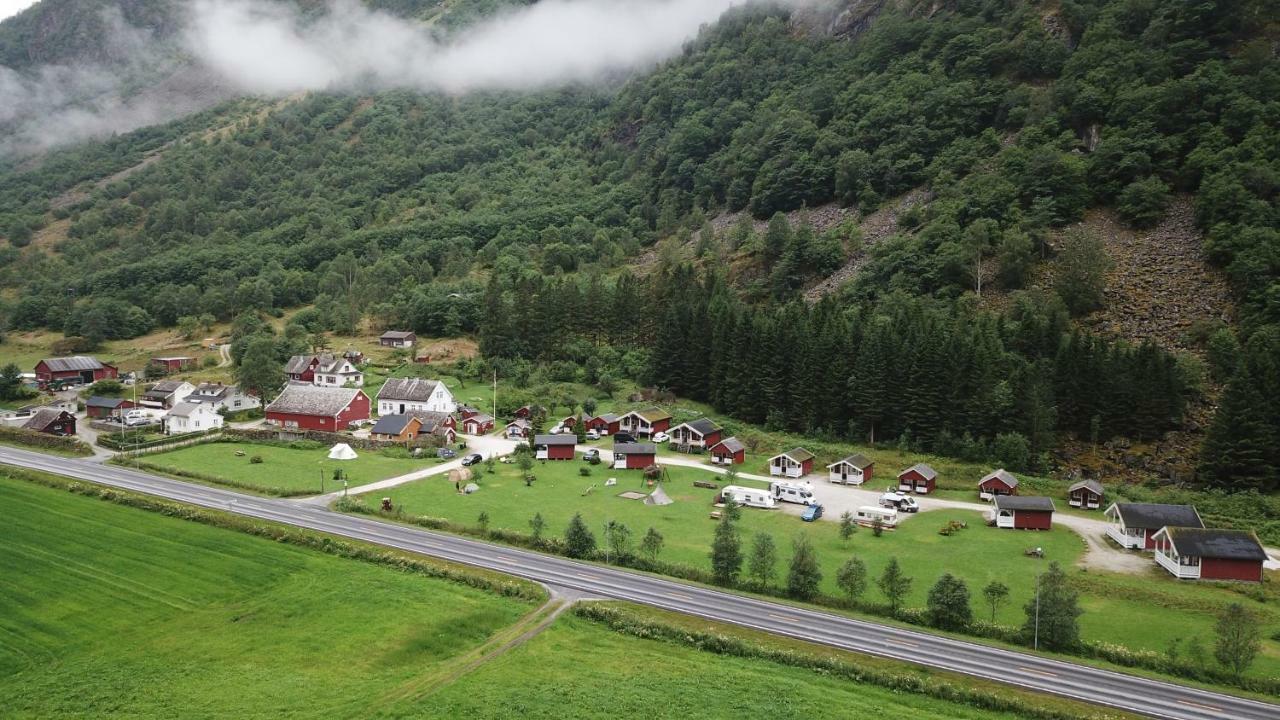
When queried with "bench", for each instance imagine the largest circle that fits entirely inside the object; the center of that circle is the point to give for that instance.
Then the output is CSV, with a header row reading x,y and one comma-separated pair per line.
x,y
706,484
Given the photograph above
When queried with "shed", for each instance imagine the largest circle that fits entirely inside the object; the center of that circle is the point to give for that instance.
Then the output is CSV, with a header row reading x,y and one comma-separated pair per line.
x,y
996,483
729,451
1086,494
792,463
634,456
853,470
554,447
1029,512
920,478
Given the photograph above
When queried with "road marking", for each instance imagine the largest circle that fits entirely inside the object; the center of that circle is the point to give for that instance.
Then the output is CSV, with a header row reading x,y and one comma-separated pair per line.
x,y
589,577
509,561
783,617
1045,673
678,596
901,642
1198,705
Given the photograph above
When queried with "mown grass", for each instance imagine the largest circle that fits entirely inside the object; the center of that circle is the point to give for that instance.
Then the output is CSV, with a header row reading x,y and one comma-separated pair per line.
x,y
1147,611
282,468
110,610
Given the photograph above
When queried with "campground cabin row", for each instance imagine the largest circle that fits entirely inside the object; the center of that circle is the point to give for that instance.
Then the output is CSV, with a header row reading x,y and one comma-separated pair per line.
x,y
73,370
1134,525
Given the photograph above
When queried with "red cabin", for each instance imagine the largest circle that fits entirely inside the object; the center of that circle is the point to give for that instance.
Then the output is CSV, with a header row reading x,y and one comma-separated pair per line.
x,y
695,435
52,421
76,369
1024,513
100,407
793,463
1192,553
173,364
919,478
477,424
554,447
1134,525
729,451
996,483
606,424
634,456
313,407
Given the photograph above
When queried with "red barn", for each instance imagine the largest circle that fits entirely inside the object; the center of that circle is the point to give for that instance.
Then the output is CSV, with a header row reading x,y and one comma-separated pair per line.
x,y
698,434
996,483
1193,553
634,456
1024,513
606,424
76,369
173,364
919,478
554,447
51,421
312,407
792,463
729,451
1134,525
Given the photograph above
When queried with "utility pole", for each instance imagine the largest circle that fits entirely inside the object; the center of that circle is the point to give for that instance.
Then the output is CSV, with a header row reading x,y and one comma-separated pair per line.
x,y
1035,643
495,396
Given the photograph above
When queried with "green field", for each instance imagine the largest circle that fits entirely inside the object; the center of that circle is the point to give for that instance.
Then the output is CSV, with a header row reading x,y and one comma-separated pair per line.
x,y
109,610
1118,607
576,669
282,468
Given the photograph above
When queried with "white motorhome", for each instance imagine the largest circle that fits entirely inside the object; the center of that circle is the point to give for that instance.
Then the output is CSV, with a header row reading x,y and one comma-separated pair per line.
x,y
867,515
749,497
899,501
800,493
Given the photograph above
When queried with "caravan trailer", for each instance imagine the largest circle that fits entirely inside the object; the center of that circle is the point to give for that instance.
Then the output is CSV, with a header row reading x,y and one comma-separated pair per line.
x,y
867,515
800,493
748,497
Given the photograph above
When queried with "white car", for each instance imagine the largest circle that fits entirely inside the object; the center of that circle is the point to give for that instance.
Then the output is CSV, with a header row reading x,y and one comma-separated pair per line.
x,y
592,435
556,430
661,437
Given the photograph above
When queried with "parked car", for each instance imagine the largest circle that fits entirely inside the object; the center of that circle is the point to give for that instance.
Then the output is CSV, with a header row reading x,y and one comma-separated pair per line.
x,y
138,421
592,435
623,438
899,501
556,430
112,419
811,513
471,459
446,454
591,455
661,437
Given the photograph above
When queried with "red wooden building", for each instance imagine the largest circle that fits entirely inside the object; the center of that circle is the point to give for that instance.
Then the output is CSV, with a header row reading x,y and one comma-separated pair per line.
x,y
1134,525
477,424
634,456
554,447
518,428
853,470
76,369
996,483
1024,513
312,407
51,421
173,364
729,451
100,407
1209,554
606,424
645,423
1086,495
919,478
697,434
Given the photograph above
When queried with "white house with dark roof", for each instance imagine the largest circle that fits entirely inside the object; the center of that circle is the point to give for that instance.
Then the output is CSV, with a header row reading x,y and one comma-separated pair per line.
x,y
224,397
166,394
189,417
400,396
324,369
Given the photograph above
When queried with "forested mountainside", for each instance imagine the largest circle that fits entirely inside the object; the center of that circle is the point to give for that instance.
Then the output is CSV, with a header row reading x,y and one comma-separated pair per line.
x,y
580,224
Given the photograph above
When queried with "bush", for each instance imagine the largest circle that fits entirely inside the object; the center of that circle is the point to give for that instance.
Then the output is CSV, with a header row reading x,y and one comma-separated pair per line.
x,y
584,471
31,438
1142,203
255,460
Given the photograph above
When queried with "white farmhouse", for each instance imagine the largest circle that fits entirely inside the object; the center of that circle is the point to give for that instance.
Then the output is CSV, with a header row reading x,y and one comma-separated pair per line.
x,y
401,396
188,417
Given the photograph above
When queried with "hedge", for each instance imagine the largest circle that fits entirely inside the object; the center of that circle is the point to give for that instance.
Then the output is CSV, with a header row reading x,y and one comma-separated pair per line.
x,y
300,537
137,464
128,445
31,438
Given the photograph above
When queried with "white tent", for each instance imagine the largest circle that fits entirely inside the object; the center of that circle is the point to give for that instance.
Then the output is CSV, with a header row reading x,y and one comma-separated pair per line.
x,y
658,497
342,451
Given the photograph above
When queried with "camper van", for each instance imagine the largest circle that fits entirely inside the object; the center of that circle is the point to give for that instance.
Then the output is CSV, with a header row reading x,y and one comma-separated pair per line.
x,y
867,515
749,497
799,493
899,501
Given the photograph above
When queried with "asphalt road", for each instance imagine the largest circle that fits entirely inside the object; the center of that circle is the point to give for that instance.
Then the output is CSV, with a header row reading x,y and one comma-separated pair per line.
x,y
1140,695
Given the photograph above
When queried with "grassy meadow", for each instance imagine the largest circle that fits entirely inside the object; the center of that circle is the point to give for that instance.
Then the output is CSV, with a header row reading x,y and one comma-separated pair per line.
x,y
288,469
107,610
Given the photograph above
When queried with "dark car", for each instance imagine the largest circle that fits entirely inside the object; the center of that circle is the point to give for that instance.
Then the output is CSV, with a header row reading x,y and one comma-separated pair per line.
x,y
592,455
471,459
446,454
811,513
623,438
